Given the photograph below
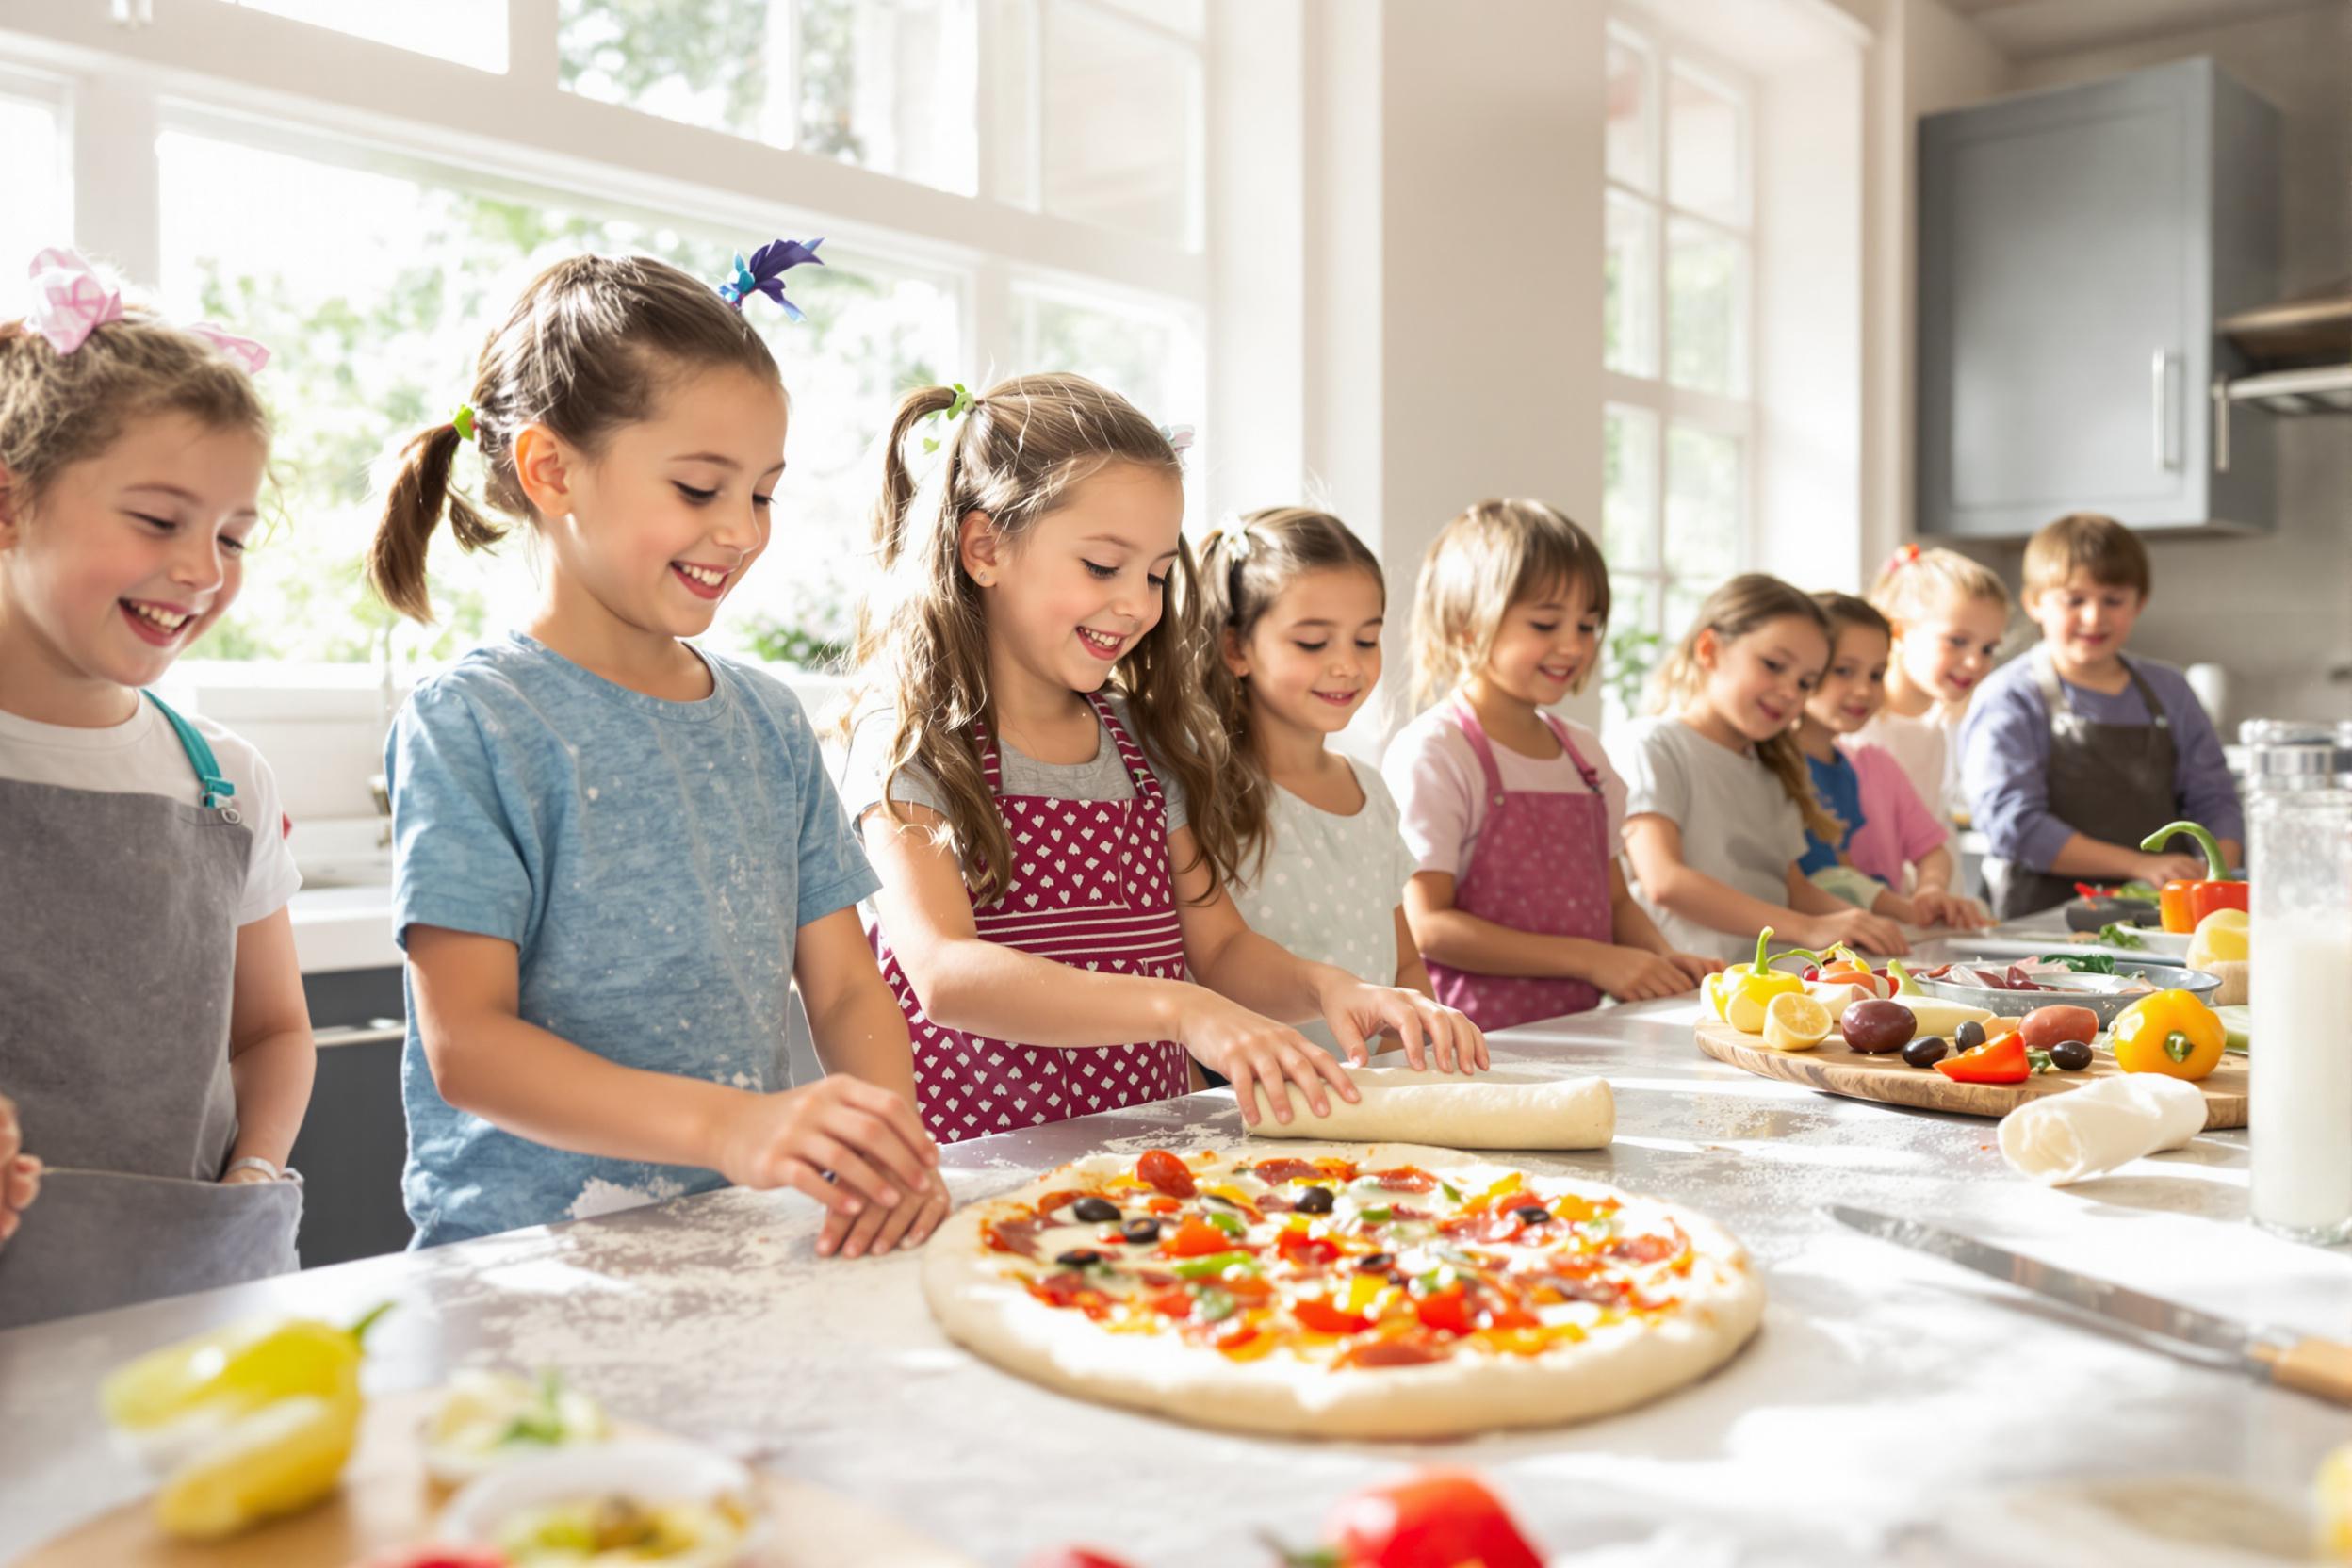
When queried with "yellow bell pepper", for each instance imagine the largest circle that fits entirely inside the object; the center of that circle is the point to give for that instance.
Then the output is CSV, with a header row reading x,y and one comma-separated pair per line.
x,y
233,1370
1749,988
279,1459
2171,1033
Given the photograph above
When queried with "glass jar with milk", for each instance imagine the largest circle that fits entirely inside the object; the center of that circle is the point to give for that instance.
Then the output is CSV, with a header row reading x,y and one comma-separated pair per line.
x,y
2299,859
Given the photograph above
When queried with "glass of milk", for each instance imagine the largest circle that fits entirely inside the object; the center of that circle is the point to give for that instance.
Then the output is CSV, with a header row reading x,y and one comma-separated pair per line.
x,y
2299,859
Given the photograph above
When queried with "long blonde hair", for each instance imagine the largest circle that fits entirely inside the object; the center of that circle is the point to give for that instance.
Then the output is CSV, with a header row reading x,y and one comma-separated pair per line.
x,y
1745,604
922,639
1245,565
1915,583
1490,557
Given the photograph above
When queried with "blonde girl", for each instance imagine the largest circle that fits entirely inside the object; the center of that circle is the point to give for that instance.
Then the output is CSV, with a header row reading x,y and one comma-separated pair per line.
x,y
1297,603
1511,812
616,854
1948,614
1720,798
1043,788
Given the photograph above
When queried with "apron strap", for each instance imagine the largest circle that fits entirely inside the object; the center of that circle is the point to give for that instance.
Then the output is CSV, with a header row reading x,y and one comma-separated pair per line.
x,y
1131,755
990,768
2054,696
2148,695
1585,770
1476,734
216,788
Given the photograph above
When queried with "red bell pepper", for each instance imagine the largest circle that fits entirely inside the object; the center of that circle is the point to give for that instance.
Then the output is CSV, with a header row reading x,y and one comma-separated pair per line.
x,y
2001,1061
1433,1519
2179,905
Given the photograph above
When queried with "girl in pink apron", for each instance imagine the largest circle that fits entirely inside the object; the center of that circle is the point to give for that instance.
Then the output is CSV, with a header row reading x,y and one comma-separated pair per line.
x,y
1042,787
1511,814
152,1032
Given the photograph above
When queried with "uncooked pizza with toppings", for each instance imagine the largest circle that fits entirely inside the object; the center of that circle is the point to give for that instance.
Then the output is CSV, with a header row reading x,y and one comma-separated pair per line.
x,y
1357,1290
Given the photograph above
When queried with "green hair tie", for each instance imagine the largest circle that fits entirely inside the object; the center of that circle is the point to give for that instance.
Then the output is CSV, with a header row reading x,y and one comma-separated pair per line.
x,y
463,421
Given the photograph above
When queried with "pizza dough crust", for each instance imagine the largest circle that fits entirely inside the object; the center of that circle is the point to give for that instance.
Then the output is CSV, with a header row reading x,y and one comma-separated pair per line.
x,y
1493,1110
1619,1365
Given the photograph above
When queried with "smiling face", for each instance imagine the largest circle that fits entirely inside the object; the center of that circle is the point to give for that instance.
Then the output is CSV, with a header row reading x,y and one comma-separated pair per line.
x,y
661,524
127,557
1855,682
1950,651
1545,645
2084,623
1078,589
1757,683
1314,655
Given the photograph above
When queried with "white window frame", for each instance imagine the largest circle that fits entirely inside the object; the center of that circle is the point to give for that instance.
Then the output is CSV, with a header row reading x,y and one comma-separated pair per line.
x,y
1666,404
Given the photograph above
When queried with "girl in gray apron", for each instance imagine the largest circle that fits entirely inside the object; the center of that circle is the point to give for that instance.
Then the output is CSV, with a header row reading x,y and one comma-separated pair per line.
x,y
2111,781
117,966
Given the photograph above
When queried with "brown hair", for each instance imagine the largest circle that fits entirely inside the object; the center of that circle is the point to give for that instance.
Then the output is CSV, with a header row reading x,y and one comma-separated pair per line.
x,y
1490,557
588,349
1915,583
1844,610
2102,548
922,638
1745,604
1245,565
57,410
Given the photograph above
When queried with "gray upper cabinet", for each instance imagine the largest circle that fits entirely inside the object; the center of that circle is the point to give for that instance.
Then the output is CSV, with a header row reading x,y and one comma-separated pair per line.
x,y
2076,247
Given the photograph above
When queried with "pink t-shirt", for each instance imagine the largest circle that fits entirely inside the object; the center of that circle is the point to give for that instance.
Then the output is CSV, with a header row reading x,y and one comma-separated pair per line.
x,y
1441,790
1897,828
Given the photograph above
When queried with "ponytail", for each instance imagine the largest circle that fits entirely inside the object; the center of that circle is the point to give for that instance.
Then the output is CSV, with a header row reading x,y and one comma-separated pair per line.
x,y
897,498
412,510
1786,759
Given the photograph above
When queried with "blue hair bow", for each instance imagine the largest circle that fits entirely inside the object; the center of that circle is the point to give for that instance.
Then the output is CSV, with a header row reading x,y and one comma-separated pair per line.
x,y
764,273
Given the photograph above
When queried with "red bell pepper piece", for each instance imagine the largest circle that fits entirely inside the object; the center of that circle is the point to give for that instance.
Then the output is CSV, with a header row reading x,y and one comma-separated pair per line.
x,y
1197,1238
1325,1318
2001,1061
1434,1519
2182,902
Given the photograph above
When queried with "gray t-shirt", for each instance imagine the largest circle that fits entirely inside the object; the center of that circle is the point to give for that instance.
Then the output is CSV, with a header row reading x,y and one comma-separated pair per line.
x,y
1103,779
1739,825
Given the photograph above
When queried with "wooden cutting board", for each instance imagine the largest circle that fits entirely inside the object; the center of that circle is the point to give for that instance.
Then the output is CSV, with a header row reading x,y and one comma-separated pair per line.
x,y
387,1501
1834,1068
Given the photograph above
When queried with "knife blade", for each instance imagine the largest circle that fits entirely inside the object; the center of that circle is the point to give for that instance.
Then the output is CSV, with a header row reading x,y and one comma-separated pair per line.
x,y
2317,1366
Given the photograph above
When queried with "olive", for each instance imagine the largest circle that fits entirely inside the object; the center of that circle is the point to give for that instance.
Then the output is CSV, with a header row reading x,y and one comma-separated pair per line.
x,y
1969,1036
1079,1257
1096,1211
1316,1201
2071,1056
1531,1214
1372,1263
1926,1051
1876,1025
1140,1233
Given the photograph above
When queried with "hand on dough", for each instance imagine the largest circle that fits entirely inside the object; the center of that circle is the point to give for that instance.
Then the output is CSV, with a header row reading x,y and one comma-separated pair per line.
x,y
1433,1035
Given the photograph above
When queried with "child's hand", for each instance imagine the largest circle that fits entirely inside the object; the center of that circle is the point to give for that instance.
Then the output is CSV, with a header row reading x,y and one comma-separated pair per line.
x,y
1698,966
2161,869
1431,1032
880,1230
1856,928
20,1173
1637,974
868,1139
1935,906
1251,1049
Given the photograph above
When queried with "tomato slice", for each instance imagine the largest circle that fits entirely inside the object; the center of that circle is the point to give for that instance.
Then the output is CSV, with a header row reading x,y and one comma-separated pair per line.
x,y
1324,1318
1301,1247
1161,1169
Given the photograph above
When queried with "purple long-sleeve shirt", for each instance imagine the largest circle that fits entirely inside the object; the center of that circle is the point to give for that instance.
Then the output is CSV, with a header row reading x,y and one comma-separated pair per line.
x,y
2005,757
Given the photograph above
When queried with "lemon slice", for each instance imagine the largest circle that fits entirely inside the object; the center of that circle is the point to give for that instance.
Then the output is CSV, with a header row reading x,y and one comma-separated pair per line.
x,y
1794,1021
2222,938
2335,1506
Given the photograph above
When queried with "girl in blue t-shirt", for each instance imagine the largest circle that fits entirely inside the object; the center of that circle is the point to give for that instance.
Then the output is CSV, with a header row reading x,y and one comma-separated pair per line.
x,y
616,853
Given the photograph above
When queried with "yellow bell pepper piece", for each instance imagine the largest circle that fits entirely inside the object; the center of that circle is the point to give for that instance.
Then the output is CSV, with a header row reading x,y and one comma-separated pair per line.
x,y
233,1370
281,1459
1749,988
2171,1033
1711,989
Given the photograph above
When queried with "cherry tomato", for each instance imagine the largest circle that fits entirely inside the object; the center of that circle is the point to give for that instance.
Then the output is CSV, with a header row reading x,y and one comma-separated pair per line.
x,y
1159,1169
1433,1519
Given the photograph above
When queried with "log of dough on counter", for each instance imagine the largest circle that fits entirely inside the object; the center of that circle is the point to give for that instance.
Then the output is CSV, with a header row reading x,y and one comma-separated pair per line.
x,y
1493,1110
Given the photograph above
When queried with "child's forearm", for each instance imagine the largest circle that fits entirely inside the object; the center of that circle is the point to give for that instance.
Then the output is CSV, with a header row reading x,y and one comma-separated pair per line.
x,y
987,989
1262,976
1704,901
1466,942
271,1078
2084,855
1632,926
864,1034
1935,870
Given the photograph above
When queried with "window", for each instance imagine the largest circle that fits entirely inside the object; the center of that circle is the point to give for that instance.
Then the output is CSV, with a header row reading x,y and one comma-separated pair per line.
x,y
33,172
1677,425
1120,126
467,32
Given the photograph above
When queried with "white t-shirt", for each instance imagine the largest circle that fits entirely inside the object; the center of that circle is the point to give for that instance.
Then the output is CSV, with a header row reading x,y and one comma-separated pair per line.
x,y
1737,823
142,756
1441,790
1928,748
1329,885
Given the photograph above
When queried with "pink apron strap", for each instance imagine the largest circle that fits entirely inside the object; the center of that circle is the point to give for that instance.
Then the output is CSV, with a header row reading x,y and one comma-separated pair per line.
x,y
1475,733
1585,770
1138,766
990,768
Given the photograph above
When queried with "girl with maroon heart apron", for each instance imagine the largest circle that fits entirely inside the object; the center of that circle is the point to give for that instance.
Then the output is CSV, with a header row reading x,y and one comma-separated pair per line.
x,y
1090,886
1541,865
116,985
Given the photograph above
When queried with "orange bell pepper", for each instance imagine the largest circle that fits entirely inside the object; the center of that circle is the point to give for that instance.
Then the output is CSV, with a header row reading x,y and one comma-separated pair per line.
x,y
2180,903
2001,1061
2171,1033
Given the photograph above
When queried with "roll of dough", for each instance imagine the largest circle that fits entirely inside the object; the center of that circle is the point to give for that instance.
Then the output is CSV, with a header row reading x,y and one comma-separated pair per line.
x,y
2064,1137
1493,1110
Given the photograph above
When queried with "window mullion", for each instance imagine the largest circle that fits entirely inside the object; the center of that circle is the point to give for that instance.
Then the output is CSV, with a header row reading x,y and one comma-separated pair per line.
x,y
530,51
114,130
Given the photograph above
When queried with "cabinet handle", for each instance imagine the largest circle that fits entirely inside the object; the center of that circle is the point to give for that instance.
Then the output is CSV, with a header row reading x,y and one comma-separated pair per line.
x,y
2221,425
2160,383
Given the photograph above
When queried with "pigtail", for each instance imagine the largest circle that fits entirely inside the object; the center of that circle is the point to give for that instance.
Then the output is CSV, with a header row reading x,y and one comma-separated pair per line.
x,y
1786,759
1163,680
1248,791
897,495
412,510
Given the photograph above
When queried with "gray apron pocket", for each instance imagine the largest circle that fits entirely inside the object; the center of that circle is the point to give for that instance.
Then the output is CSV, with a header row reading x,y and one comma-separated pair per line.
x,y
95,1239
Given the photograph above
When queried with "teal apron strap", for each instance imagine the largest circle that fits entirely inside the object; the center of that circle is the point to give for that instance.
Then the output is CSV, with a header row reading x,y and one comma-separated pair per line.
x,y
216,789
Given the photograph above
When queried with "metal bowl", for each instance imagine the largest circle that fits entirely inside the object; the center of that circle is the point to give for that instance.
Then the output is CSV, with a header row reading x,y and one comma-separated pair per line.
x,y
2102,993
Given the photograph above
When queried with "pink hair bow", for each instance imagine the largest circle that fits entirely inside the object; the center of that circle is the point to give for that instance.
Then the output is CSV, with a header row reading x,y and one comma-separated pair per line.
x,y
1179,437
71,301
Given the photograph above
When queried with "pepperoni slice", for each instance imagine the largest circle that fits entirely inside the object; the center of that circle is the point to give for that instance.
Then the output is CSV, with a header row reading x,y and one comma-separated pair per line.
x,y
1160,1169
1646,1249
1392,1352
1406,1178
1285,1170
1014,1235
1054,1200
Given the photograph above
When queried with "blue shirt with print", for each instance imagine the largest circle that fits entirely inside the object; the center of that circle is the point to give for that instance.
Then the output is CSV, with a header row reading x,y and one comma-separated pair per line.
x,y
651,861
1839,788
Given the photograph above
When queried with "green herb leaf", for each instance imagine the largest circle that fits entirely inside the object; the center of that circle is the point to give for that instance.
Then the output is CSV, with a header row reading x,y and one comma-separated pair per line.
x,y
2115,935
2084,963
1377,1213
1229,1223
1452,1194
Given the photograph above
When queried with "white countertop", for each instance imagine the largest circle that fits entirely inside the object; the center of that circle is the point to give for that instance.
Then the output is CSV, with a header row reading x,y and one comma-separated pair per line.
x,y
1889,1410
